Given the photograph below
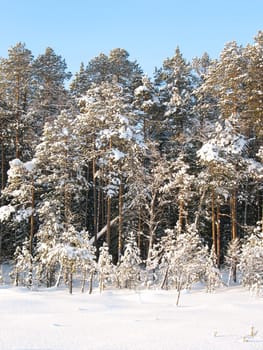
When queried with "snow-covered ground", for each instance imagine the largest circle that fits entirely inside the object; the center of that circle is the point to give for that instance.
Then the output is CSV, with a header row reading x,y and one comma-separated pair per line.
x,y
124,320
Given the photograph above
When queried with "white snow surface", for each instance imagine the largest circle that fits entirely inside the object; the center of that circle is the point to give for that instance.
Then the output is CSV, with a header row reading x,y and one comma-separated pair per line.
x,y
52,319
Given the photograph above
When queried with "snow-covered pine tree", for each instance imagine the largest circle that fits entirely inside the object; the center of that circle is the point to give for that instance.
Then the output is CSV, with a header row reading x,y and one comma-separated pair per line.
x,y
224,157
252,116
184,261
103,67
19,214
147,101
212,275
128,73
167,247
150,194
17,91
251,261
128,269
63,186
115,138
176,83
105,267
22,271
232,258
75,253
80,82
60,174
51,97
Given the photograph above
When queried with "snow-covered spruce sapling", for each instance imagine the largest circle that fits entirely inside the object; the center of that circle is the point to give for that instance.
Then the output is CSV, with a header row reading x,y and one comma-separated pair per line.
x,y
128,269
232,259
251,262
184,259
75,253
212,274
23,268
105,267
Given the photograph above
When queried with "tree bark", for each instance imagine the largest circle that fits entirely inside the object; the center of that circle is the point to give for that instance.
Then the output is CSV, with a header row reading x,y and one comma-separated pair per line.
x,y
214,223
181,215
108,220
95,227
31,235
233,202
218,241
139,229
120,220
2,165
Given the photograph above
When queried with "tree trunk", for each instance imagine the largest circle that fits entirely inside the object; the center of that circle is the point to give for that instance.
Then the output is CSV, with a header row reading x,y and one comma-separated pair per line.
x,y
213,223
108,220
233,209
91,282
218,242
2,187
99,210
165,279
197,217
31,235
152,224
139,229
179,294
120,220
84,280
70,282
181,215
94,200
2,165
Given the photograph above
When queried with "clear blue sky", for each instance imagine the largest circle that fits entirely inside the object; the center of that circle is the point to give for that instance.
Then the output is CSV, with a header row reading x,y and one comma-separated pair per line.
x,y
149,30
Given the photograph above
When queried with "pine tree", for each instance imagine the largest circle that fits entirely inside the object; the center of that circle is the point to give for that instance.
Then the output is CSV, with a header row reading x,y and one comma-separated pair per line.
x,y
111,136
59,171
176,83
50,74
103,68
80,83
226,166
19,214
16,87
252,118
147,101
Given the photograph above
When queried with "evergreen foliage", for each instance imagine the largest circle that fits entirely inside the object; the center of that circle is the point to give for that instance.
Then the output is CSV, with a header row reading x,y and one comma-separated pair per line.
x,y
122,153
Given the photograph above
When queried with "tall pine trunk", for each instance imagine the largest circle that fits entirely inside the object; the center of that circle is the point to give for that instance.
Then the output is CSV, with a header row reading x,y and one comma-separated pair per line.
x,y
218,235
233,208
120,220
181,215
108,220
2,187
95,218
139,243
233,201
31,235
213,222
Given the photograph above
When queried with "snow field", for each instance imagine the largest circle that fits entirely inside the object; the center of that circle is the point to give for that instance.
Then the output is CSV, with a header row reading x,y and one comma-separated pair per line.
x,y
130,320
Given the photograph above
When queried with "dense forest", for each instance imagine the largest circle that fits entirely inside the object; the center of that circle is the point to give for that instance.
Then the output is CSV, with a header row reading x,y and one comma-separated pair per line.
x,y
112,169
